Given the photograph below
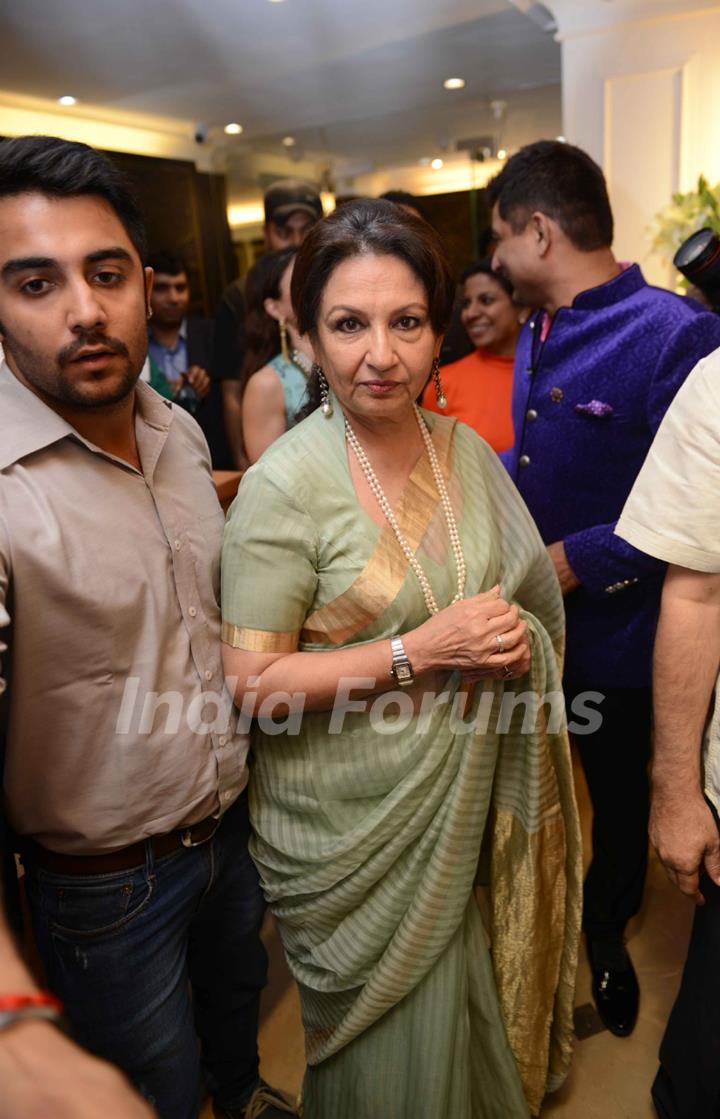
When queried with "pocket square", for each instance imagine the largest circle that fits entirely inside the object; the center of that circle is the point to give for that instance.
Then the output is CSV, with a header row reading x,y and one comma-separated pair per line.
x,y
596,408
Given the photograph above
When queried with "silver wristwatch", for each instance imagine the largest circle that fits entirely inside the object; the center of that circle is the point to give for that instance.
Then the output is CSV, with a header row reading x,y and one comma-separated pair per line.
x,y
401,668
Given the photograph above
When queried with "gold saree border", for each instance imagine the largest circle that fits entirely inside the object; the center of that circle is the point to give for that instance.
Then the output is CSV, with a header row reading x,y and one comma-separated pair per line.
x,y
379,583
533,905
258,640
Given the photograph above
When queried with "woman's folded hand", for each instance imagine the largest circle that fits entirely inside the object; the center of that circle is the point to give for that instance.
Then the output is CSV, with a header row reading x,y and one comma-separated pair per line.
x,y
482,636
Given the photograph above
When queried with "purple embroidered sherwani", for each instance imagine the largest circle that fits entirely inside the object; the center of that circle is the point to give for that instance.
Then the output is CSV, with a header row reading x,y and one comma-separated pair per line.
x,y
586,404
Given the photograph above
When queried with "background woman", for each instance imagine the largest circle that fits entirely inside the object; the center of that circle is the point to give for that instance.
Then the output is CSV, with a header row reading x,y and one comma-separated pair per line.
x,y
363,559
478,388
277,360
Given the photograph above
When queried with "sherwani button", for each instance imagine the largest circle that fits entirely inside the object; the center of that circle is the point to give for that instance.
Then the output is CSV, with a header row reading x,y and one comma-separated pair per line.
x,y
531,414
524,460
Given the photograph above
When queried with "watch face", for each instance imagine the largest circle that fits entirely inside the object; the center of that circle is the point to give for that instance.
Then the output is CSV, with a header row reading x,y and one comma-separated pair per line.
x,y
402,671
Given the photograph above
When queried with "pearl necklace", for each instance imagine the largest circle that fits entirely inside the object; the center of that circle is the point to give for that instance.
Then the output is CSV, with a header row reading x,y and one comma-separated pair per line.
x,y
377,491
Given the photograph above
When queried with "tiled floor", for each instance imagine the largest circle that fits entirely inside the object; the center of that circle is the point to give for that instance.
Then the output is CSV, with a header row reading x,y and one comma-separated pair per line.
x,y
610,1078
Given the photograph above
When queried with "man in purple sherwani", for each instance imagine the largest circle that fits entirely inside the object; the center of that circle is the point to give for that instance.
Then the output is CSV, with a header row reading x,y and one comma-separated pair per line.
x,y
595,369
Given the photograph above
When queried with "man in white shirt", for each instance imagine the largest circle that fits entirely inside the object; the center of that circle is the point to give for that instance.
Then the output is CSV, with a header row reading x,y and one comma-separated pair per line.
x,y
673,513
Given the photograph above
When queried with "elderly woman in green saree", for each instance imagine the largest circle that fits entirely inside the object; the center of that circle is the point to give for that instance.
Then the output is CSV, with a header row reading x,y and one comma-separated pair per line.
x,y
392,623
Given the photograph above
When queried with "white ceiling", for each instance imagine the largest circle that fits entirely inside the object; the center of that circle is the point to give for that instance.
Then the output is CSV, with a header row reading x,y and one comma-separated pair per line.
x,y
352,80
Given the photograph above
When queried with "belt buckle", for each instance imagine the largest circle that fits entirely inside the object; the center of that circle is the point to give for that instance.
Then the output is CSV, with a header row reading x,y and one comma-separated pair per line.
x,y
187,840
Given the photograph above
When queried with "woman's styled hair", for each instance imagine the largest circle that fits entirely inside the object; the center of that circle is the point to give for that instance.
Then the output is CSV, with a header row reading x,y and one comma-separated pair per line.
x,y
262,333
484,267
371,226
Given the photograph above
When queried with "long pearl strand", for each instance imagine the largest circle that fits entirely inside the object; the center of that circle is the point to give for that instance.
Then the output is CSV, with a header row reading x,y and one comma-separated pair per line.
x,y
386,508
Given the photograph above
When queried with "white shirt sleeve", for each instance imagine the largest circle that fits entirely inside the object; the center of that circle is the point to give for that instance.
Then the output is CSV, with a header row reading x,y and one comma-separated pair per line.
x,y
673,511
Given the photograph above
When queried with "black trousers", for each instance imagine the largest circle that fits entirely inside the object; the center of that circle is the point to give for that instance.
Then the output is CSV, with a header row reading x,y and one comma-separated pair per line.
x,y
615,759
687,1085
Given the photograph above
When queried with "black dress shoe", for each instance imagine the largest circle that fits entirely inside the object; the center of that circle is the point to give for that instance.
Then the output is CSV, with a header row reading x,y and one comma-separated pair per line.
x,y
614,986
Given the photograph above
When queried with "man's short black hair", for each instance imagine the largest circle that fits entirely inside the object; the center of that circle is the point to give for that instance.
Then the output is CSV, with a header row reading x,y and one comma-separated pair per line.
x,y
65,169
561,181
167,262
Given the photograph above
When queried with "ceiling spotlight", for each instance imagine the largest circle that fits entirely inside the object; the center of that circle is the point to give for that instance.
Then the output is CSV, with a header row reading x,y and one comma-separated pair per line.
x,y
288,141
561,139
233,129
454,83
436,164
67,99
502,154
276,1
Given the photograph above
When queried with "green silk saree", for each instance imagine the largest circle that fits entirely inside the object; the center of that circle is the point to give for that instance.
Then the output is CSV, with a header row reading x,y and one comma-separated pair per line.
x,y
378,846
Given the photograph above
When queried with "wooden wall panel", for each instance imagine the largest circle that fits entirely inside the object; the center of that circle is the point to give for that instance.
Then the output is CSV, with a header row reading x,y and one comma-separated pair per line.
x,y
185,212
459,218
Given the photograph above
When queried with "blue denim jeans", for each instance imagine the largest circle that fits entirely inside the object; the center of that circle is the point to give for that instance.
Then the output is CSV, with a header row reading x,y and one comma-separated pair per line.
x,y
161,967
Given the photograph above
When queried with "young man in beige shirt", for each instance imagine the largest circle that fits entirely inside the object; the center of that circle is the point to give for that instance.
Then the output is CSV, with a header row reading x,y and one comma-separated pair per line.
x,y
124,772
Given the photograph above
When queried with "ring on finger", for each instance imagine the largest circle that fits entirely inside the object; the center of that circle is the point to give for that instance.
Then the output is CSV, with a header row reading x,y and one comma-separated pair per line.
x,y
507,672
500,642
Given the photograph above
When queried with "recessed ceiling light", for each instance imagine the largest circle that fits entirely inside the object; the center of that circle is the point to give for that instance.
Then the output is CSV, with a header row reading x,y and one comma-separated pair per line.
x,y
67,99
288,141
233,129
454,83
561,139
436,164
276,1
502,154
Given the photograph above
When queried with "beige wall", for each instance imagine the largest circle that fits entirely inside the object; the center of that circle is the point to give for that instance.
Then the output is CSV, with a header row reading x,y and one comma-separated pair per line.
x,y
641,93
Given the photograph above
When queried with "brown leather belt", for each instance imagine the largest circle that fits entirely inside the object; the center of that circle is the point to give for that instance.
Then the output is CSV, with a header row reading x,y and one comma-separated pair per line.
x,y
127,858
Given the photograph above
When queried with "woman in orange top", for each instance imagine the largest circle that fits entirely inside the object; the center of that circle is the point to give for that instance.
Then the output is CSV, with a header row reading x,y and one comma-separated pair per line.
x,y
478,388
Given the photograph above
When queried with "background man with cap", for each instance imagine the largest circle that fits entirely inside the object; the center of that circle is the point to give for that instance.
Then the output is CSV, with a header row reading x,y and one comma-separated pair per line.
x,y
292,207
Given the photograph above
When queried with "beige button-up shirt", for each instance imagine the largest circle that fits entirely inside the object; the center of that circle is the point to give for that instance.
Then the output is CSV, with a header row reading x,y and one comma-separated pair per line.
x,y
119,727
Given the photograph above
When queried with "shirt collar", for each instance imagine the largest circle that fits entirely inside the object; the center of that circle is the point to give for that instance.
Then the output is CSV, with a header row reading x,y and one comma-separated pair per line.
x,y
182,337
29,425
625,284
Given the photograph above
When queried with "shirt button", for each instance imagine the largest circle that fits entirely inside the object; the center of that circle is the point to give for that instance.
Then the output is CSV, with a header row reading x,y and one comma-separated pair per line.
x,y
524,460
222,741
177,545
192,611
208,674
226,795
531,414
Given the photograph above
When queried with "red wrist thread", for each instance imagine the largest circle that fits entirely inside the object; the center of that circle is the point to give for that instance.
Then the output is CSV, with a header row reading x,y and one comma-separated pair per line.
x,y
21,1002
